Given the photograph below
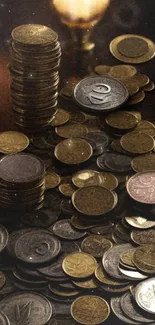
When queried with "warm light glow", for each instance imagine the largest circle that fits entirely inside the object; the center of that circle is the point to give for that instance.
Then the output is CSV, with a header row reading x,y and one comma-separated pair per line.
x,y
80,11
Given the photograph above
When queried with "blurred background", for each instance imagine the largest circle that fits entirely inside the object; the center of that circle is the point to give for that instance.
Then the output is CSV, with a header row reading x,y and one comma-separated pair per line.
x,y
122,17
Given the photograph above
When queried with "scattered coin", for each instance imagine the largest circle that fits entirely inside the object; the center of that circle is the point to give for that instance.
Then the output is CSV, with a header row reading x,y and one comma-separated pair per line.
x,y
141,237
149,87
141,80
60,117
115,162
118,312
143,163
79,224
126,257
143,258
3,319
13,142
146,127
87,284
144,290
102,70
140,187
67,189
4,237
137,142
102,276
90,310
96,245
122,71
69,130
64,229
131,86
137,98
140,222
52,180
79,265
121,120
86,178
77,117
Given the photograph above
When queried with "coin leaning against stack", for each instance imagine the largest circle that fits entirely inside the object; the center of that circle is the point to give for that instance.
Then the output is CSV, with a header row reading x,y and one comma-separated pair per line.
x,y
34,63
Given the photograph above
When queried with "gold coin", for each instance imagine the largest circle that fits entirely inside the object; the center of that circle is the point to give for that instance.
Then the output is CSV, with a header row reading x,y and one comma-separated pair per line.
x,y
70,130
67,189
126,257
73,151
87,284
77,117
52,180
132,48
137,142
122,71
109,181
143,163
131,86
60,117
13,142
116,146
34,34
140,79
79,224
137,115
144,258
102,276
121,120
87,177
102,69
90,310
79,265
137,98
146,127
149,87
94,200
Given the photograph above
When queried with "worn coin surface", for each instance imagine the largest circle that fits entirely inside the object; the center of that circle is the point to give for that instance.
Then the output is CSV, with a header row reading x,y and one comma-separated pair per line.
x,y
67,189
137,142
13,142
143,163
118,312
34,34
102,276
69,130
146,127
137,98
115,162
94,200
141,187
3,319
139,222
90,310
96,245
100,94
144,295
141,237
79,265
144,258
52,180
37,308
126,257
102,70
64,229
60,117
121,120
87,177
122,71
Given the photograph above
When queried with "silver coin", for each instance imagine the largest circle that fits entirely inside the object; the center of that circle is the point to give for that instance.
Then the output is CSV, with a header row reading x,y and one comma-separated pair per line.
x,y
3,319
145,295
100,93
64,229
131,274
140,222
4,236
116,308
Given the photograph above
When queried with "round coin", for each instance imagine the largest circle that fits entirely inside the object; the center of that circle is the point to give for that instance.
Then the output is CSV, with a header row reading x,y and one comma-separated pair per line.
x,y
77,117
102,70
90,310
146,127
79,265
143,163
102,276
60,117
67,189
126,257
96,245
100,94
73,151
86,178
115,162
87,284
64,229
69,130
137,142
141,80
121,120
12,306
122,71
13,142
141,237
144,258
131,48
149,87
144,295
140,222
34,34
118,312
4,237
137,98
52,180
141,187
94,200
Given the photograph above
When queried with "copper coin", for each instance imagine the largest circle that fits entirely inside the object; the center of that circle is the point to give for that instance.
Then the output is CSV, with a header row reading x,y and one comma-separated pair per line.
x,y
141,187
122,71
121,120
52,180
60,117
146,127
79,265
143,163
144,258
137,98
96,245
137,142
141,237
70,130
149,87
102,69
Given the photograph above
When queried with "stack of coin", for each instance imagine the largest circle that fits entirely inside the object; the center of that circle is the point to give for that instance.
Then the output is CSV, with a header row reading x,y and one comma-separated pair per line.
x,y
21,182
34,63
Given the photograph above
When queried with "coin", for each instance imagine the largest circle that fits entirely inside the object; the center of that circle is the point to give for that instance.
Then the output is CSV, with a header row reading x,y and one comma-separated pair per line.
x,y
90,310
3,319
115,162
77,117
79,265
149,87
137,142
141,237
103,200
99,94
131,86
140,187
73,151
122,71
69,130
87,177
96,245
117,310
121,120
13,142
79,224
132,48
143,163
102,276
126,257
37,247
116,146
60,117
137,98
87,284
109,181
143,258
140,222
67,189
102,69
146,127
103,229
12,307
52,180
64,229
144,290
4,237
63,293
141,80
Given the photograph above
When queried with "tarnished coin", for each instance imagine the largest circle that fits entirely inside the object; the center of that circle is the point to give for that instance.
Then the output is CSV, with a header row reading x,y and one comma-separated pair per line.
x,y
34,34
90,310
69,130
103,229
67,92
137,98
3,319
144,295
109,181
146,127
12,306
116,146
4,237
87,177
149,87
87,284
141,187
126,257
94,200
77,117
37,247
100,94
137,142
143,163
60,117
64,229
131,86
122,71
96,245
79,224
144,258
121,120
141,80
118,312
13,142
131,275
52,180
79,265
132,48
67,189
115,162
141,237
139,222
73,151
102,70
2,279
102,276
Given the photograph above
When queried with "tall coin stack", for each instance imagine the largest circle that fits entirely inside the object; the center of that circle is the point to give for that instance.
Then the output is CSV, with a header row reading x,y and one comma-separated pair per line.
x,y
34,63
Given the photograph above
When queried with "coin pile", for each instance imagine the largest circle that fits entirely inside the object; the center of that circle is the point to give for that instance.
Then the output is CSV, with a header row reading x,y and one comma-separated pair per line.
x,y
34,63
21,182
